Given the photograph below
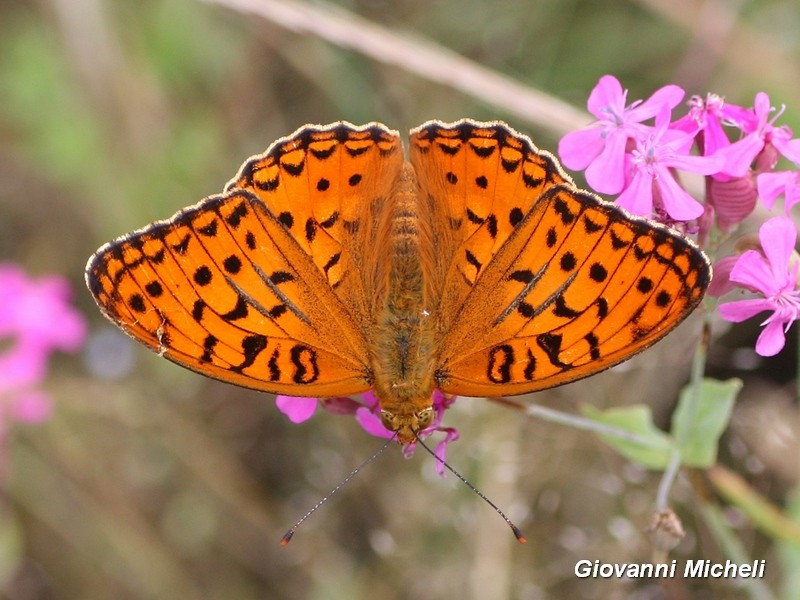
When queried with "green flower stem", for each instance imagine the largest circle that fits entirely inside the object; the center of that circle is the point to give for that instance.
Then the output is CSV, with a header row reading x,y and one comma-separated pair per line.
x,y
562,418
698,369
667,479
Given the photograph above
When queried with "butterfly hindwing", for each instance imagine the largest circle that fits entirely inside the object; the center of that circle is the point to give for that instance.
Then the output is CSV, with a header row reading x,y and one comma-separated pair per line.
x,y
223,289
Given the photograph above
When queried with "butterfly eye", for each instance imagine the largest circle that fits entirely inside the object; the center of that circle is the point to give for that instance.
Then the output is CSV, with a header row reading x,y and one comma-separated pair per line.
x,y
425,417
389,420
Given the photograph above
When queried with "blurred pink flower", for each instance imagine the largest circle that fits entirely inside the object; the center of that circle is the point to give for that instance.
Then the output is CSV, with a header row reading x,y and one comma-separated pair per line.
x,y
600,148
773,275
36,318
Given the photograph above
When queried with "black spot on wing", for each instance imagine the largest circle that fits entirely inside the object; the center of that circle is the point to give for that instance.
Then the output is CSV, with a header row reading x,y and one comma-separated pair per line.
x,y
237,214
237,312
252,346
209,230
136,302
286,219
551,344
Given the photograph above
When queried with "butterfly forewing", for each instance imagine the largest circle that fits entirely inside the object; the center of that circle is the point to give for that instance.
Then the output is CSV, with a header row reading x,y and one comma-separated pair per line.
x,y
328,185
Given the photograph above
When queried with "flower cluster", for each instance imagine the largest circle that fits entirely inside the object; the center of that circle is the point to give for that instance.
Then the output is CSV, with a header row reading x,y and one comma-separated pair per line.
x,y
737,150
36,318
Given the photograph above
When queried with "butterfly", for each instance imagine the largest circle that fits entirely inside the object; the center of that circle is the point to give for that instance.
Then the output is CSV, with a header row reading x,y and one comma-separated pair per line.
x,y
331,265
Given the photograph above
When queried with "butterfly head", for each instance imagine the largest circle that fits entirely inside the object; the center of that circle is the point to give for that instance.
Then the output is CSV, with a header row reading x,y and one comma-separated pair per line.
x,y
407,424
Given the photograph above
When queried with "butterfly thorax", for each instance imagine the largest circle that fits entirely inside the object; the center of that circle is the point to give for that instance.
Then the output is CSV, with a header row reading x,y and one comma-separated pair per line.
x,y
402,363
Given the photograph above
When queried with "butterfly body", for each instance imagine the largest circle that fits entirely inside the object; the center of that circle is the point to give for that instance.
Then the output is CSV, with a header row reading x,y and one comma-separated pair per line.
x,y
401,362
331,265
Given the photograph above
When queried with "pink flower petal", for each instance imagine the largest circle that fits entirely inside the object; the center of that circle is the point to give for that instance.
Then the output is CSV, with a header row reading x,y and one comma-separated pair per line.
x,y
741,117
771,186
792,194
39,310
678,203
24,364
721,283
606,174
739,155
703,165
579,148
669,95
608,92
771,340
791,150
778,237
298,409
451,435
340,405
741,310
714,137
637,198
371,423
762,108
751,271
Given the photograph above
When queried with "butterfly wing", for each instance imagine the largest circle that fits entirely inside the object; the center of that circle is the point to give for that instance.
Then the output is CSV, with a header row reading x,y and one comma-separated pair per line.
x,y
256,286
576,285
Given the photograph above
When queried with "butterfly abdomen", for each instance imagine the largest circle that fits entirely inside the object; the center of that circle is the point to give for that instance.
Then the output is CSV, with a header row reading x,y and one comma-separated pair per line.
x,y
402,361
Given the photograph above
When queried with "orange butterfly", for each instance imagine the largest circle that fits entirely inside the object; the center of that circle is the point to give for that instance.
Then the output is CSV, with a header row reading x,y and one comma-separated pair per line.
x,y
330,266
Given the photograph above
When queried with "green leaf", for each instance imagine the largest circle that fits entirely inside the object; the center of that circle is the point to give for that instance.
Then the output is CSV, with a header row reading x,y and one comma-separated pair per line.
x,y
652,448
697,426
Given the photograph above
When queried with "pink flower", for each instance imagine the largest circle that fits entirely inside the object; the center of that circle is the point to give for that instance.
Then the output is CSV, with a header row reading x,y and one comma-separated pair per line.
x,y
36,318
367,413
653,186
38,312
707,118
600,149
763,140
773,275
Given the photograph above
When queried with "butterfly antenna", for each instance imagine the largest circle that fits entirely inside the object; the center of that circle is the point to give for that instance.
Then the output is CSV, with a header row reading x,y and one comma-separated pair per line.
x,y
289,534
517,531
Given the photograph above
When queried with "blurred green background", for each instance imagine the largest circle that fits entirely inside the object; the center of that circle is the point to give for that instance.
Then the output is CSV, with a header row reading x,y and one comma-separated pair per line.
x,y
153,482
